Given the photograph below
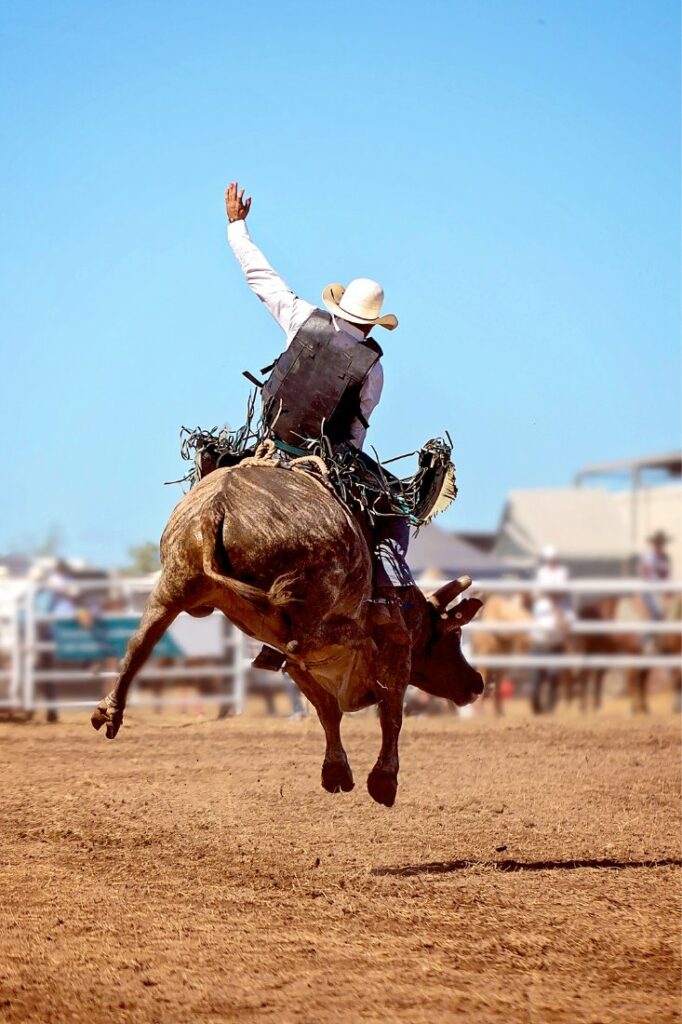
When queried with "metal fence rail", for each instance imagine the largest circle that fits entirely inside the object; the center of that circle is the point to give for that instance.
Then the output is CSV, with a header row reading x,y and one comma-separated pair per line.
x,y
602,587
582,627
617,661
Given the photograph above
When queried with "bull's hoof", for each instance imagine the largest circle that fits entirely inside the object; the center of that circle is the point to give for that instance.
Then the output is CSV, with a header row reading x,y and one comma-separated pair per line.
x,y
107,713
337,777
382,786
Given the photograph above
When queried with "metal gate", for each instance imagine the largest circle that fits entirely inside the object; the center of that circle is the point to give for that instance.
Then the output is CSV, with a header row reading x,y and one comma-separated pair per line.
x,y
34,674
11,608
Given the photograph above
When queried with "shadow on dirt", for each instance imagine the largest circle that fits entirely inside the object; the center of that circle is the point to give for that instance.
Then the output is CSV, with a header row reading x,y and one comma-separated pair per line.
x,y
443,867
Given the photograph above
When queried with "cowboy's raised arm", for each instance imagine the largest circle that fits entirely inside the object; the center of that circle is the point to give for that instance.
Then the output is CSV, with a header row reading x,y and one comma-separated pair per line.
x,y
289,311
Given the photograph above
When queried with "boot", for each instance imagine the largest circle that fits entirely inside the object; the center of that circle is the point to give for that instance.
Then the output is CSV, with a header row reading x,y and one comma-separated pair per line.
x,y
268,659
385,610
380,611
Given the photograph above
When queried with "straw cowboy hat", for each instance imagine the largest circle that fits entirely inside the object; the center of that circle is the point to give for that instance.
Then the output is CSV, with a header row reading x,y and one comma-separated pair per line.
x,y
360,303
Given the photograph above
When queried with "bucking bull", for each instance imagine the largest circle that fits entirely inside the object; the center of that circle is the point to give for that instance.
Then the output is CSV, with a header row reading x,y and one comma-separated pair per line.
x,y
288,564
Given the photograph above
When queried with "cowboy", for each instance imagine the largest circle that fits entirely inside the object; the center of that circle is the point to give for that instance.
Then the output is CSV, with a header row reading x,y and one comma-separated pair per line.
x,y
551,576
654,565
329,379
553,614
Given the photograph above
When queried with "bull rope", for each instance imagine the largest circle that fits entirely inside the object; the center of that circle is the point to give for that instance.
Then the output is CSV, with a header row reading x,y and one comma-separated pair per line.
x,y
361,483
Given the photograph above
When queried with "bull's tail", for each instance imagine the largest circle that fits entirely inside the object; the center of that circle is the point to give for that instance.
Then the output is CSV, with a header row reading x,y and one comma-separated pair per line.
x,y
216,567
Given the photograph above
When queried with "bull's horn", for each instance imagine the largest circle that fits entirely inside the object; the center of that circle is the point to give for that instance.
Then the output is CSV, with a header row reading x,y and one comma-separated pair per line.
x,y
440,599
465,610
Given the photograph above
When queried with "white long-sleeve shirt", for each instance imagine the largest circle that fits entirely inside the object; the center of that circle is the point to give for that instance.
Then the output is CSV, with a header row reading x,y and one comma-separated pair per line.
x,y
291,313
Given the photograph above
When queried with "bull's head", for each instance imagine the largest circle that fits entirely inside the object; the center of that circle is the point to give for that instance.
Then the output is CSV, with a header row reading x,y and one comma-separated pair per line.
x,y
439,667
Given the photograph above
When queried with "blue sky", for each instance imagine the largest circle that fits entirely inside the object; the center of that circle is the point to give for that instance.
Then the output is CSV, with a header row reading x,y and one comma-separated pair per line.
x,y
509,170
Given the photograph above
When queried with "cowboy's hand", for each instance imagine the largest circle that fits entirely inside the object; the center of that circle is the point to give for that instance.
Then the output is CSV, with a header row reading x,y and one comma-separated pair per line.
x,y
235,204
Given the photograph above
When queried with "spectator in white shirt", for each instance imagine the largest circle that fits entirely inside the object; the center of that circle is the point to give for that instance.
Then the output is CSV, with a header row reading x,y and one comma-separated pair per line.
x,y
654,565
553,614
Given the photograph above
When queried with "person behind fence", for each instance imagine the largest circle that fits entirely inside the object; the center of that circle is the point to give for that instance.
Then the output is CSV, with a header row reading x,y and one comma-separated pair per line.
x,y
551,575
330,383
51,600
654,565
553,614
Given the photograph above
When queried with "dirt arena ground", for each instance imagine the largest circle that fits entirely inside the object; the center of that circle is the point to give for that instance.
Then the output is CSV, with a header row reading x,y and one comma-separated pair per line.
x,y
195,870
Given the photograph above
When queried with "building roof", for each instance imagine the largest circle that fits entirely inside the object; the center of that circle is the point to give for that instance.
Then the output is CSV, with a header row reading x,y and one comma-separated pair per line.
x,y
668,462
437,549
14,565
581,523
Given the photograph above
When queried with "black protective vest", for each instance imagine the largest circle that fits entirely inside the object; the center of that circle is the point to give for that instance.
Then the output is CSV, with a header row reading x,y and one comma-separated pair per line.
x,y
314,387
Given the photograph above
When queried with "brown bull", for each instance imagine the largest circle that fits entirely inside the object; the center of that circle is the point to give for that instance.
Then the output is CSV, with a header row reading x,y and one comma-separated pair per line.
x,y
287,563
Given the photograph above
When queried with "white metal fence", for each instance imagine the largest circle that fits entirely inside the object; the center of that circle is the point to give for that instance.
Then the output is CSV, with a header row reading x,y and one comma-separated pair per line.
x,y
31,678
585,588
11,691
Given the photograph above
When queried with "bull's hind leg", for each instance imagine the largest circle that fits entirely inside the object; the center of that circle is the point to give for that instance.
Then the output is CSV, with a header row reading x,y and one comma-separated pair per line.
x,y
337,776
158,614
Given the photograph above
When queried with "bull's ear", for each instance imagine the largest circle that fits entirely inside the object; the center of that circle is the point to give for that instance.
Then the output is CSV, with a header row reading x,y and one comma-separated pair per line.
x,y
464,611
440,599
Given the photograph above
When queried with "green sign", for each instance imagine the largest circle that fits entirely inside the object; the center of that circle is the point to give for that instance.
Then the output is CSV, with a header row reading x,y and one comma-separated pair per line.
x,y
106,638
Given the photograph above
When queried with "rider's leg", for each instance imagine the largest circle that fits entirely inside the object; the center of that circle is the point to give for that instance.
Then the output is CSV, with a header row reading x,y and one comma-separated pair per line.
x,y
393,580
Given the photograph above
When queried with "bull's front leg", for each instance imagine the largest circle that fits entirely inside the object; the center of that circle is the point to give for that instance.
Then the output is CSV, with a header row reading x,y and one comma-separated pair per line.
x,y
382,781
337,776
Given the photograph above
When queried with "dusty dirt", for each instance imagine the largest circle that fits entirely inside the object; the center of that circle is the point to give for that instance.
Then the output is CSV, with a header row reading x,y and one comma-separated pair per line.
x,y
197,871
